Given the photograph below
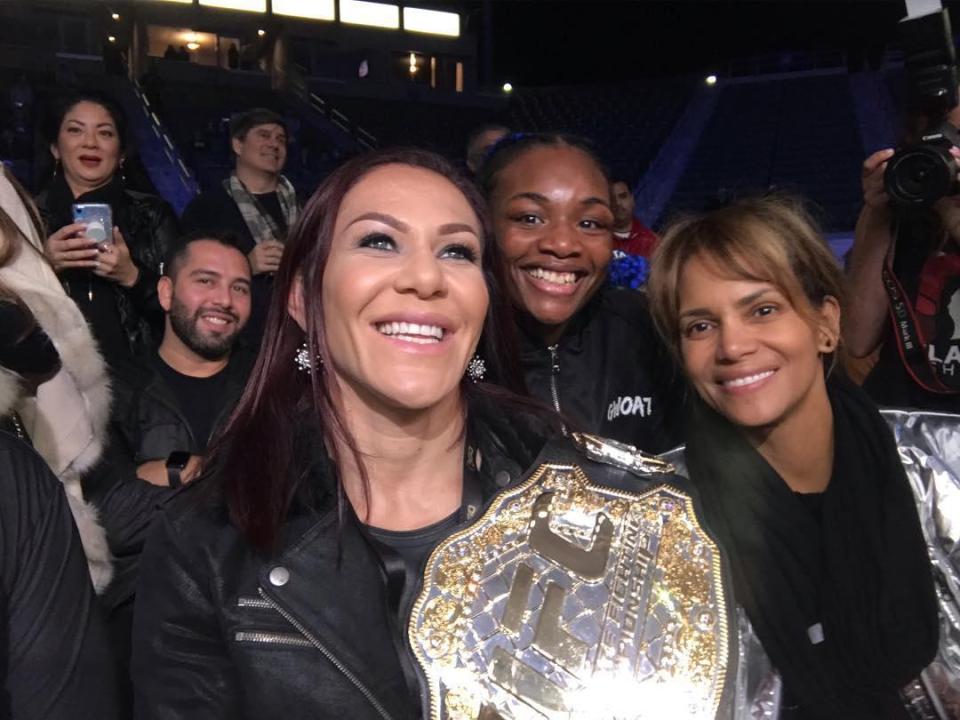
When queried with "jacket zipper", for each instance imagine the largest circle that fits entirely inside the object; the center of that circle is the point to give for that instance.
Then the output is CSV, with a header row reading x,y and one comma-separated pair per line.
x,y
272,638
253,602
554,374
329,656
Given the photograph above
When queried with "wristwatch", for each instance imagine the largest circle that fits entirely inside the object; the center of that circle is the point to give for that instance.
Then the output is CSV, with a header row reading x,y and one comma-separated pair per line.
x,y
176,462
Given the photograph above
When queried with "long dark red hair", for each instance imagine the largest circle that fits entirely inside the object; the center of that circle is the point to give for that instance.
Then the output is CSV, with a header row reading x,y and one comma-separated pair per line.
x,y
253,459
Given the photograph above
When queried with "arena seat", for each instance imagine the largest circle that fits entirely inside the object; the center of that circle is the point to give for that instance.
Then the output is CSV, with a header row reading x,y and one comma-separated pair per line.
x,y
796,134
627,123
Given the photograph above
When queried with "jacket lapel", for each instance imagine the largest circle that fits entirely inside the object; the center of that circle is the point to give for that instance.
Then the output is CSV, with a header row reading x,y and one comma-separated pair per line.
x,y
332,585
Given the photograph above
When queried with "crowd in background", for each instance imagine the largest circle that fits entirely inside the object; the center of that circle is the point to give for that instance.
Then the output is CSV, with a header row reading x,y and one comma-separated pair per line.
x,y
122,358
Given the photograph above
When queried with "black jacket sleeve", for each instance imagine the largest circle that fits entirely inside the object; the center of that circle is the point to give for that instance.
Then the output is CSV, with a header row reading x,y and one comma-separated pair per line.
x,y
127,506
163,232
651,353
181,668
55,661
674,389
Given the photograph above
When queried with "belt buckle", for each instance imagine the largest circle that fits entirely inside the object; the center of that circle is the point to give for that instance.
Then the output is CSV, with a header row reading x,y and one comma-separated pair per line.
x,y
568,599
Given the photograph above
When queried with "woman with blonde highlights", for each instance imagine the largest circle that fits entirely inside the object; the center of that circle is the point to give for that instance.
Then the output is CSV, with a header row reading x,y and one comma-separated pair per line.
x,y
800,476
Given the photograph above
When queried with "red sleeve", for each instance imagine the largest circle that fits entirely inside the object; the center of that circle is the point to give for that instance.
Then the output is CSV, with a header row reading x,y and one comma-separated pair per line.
x,y
642,241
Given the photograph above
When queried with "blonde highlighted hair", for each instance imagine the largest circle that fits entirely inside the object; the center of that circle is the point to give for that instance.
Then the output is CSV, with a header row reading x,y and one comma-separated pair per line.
x,y
12,238
764,239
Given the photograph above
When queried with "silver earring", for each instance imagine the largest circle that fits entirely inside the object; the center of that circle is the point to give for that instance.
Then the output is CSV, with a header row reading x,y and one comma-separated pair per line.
x,y
476,368
302,359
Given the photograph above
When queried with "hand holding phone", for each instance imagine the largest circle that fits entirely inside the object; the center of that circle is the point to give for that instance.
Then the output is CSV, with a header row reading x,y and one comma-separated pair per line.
x,y
98,218
69,248
114,261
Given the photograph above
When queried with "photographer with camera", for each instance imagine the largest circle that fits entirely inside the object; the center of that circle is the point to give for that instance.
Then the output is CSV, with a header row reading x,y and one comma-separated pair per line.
x,y
905,260
916,244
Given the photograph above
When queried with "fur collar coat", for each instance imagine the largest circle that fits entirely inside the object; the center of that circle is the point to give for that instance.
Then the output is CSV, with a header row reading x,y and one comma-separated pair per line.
x,y
67,419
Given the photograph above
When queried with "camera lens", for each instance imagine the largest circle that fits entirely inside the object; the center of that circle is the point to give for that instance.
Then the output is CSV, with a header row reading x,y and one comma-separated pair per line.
x,y
920,175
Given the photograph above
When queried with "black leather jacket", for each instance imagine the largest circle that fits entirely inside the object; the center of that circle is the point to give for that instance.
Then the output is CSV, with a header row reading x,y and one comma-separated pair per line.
x,y
146,424
56,661
146,416
150,228
610,373
307,632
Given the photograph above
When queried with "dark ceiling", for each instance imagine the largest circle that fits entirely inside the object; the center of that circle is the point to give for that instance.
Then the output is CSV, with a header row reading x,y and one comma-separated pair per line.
x,y
546,42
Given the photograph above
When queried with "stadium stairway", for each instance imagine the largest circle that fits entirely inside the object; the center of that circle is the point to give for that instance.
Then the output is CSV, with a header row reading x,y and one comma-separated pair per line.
x,y
196,103
163,163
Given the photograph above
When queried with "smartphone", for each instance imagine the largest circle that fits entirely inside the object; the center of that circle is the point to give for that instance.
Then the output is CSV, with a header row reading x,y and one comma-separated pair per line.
x,y
99,220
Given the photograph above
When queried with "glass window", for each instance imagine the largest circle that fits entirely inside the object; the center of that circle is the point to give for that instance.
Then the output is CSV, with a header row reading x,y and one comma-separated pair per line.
x,y
249,5
434,22
359,12
313,9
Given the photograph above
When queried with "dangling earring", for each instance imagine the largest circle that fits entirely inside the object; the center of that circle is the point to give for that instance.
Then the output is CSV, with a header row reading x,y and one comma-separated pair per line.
x,y
476,369
123,174
56,168
302,359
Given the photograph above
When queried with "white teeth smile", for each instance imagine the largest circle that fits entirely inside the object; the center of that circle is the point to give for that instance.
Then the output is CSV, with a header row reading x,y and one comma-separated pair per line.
x,y
412,332
557,278
215,319
748,380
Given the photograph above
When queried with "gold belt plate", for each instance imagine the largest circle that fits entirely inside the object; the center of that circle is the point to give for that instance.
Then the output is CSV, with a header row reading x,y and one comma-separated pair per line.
x,y
568,599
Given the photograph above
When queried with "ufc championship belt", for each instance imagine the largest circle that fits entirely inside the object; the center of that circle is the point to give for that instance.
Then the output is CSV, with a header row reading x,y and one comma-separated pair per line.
x,y
567,599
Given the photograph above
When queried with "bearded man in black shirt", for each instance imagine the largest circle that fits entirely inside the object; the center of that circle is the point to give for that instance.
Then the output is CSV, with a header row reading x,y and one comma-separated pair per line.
x,y
257,203
167,408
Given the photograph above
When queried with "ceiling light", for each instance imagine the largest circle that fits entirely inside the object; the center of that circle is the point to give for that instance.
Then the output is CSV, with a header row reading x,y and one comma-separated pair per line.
x,y
314,9
259,6
433,22
372,14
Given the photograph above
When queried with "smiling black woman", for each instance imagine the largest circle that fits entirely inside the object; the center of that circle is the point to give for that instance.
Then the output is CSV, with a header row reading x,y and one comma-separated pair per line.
x,y
589,351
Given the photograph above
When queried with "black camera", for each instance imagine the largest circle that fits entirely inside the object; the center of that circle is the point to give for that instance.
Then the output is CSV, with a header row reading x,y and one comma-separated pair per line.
x,y
922,173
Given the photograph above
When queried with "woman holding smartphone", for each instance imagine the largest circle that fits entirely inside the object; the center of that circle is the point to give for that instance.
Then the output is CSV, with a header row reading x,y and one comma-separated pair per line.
x,y
801,478
113,282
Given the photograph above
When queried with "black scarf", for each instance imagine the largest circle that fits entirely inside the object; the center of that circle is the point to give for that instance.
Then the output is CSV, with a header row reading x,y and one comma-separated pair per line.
x,y
60,202
861,570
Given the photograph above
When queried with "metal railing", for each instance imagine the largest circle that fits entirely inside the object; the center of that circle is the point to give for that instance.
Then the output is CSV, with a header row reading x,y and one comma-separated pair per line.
x,y
186,178
297,85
